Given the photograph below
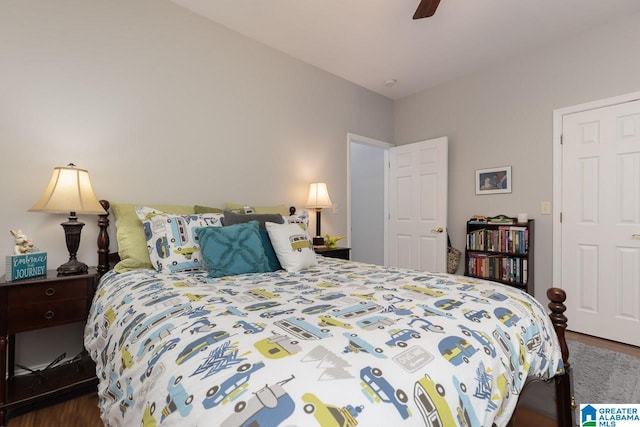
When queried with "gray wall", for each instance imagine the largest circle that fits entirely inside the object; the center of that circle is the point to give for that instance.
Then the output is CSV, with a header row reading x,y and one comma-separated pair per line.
x,y
503,116
161,105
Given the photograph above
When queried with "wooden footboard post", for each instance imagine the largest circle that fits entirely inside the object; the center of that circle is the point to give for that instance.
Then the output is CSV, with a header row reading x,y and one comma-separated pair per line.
x,y
564,399
103,240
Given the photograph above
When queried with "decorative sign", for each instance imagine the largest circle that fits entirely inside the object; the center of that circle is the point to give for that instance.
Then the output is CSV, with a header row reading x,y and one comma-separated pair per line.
x,y
25,266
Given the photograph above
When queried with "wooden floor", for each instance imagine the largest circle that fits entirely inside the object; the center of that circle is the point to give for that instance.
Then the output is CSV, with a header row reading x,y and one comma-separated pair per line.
x,y
83,411
80,412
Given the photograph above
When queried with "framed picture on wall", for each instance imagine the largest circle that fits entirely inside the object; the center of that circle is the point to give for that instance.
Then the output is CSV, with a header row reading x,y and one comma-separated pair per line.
x,y
493,180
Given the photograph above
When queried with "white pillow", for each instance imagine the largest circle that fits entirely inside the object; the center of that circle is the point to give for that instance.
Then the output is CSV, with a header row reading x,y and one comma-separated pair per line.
x,y
292,245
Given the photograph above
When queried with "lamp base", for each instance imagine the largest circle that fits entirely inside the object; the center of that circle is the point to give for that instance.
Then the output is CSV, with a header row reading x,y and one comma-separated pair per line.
x,y
318,241
72,267
72,230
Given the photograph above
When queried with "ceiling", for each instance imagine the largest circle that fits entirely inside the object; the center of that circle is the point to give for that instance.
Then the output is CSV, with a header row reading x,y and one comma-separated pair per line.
x,y
369,42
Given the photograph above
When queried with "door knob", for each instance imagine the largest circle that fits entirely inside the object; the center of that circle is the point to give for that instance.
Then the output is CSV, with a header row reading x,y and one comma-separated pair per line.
x,y
437,230
635,236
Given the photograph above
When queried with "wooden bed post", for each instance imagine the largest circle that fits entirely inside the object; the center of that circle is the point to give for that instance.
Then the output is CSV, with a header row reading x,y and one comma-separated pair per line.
x,y
565,402
103,240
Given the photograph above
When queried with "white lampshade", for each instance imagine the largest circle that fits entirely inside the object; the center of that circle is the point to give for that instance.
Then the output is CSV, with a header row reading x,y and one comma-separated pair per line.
x,y
318,196
69,190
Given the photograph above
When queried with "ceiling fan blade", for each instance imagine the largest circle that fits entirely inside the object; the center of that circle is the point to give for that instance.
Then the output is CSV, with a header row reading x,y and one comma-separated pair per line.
x,y
426,8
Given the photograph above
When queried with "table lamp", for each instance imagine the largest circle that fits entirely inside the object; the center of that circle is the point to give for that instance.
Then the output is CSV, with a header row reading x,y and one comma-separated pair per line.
x,y
70,190
318,199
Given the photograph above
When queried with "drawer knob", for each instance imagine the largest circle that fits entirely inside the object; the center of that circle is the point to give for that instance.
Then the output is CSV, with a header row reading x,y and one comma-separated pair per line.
x,y
49,315
50,292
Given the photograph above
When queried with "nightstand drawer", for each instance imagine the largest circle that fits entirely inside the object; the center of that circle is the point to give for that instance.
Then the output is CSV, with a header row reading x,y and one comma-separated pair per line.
x,y
45,314
54,291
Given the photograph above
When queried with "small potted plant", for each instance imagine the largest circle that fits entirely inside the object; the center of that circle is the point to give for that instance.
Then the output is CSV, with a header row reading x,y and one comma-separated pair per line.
x,y
331,242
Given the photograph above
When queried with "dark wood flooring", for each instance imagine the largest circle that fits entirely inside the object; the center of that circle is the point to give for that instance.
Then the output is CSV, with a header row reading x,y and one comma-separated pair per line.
x,y
83,411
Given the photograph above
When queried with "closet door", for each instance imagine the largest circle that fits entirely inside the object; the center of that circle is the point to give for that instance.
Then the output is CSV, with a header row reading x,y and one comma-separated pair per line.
x,y
601,221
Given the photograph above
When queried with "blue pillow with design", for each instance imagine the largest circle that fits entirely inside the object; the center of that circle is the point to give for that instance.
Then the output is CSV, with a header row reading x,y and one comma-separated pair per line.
x,y
232,250
270,253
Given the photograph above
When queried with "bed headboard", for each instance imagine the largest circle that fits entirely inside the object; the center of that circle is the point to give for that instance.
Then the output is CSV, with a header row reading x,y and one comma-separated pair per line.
x,y
106,261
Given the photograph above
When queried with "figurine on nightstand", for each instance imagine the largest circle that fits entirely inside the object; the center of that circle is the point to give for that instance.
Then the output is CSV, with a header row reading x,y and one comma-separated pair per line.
x,y
23,244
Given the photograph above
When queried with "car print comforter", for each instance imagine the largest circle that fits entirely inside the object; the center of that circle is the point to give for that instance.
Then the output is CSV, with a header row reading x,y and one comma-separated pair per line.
x,y
340,344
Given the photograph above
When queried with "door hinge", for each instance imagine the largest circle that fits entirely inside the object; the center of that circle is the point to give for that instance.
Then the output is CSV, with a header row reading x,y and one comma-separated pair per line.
x,y
561,217
561,139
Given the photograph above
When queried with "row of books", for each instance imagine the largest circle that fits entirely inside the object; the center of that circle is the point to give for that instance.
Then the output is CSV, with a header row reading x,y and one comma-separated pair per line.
x,y
510,239
498,267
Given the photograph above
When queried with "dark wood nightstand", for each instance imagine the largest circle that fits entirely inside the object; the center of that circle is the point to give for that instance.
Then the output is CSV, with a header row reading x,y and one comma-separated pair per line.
x,y
342,253
38,303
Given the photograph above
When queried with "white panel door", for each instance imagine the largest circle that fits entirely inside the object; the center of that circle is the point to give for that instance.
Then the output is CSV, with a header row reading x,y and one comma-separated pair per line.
x,y
418,205
601,221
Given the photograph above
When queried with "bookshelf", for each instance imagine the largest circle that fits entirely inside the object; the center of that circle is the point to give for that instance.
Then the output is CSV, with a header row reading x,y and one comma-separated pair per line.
x,y
501,250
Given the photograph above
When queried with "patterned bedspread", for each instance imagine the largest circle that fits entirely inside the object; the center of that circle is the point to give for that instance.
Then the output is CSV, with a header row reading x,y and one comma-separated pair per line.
x,y
341,344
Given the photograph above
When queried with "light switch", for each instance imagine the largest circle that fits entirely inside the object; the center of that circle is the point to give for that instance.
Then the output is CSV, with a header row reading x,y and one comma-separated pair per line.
x,y
545,208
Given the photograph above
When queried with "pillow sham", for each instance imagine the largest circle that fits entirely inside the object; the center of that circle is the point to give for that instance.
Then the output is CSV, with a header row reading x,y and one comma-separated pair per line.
x,y
132,247
292,245
171,242
232,250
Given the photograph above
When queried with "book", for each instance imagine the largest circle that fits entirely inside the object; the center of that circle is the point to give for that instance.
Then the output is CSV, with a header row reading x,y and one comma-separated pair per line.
x,y
25,266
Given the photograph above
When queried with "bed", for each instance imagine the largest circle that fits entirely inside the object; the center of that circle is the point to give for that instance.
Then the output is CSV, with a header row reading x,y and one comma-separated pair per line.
x,y
339,343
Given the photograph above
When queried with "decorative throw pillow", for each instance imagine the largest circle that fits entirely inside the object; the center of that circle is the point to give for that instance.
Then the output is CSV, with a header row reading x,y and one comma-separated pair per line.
x,y
269,252
232,250
132,247
231,218
170,239
292,245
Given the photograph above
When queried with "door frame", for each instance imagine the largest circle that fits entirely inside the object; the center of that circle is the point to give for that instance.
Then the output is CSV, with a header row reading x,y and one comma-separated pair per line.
x,y
359,139
557,171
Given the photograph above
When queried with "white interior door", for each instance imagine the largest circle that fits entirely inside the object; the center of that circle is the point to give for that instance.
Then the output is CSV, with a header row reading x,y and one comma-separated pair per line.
x,y
601,221
418,205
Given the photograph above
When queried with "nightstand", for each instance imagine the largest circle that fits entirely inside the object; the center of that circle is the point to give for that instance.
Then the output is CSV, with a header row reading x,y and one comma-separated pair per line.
x,y
38,303
342,253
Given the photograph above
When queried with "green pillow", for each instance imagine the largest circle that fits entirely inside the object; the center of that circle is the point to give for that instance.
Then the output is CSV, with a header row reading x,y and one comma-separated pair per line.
x,y
206,209
132,244
232,250
278,209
